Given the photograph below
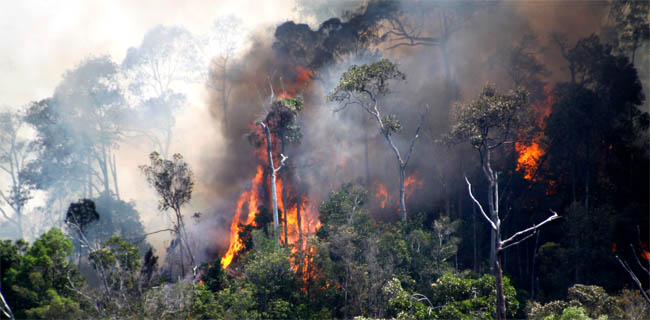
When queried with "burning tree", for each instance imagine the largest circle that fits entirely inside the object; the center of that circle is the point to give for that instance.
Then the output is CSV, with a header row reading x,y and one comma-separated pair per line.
x,y
364,86
282,119
489,122
272,171
173,180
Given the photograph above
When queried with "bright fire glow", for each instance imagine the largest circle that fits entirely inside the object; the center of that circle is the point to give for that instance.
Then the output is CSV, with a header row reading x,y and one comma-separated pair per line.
x,y
528,159
251,198
412,183
531,153
382,195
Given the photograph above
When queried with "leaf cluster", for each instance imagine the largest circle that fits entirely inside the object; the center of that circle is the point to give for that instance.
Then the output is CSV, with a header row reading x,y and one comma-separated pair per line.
x,y
492,119
369,81
172,179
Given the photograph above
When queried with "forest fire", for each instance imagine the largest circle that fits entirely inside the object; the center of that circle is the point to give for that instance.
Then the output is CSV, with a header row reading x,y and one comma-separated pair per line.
x,y
251,199
412,183
302,78
381,195
301,219
530,154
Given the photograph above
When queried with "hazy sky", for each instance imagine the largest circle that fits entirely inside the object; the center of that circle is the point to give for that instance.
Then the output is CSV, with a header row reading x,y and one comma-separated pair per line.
x,y
41,39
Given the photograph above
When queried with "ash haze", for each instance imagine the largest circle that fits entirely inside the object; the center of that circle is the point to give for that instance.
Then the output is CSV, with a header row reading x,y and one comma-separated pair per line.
x,y
42,39
401,120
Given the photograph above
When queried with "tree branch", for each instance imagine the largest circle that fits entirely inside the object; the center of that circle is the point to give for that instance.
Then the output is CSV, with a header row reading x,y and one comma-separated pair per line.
x,y
533,228
469,188
6,310
634,278
417,133
284,158
518,242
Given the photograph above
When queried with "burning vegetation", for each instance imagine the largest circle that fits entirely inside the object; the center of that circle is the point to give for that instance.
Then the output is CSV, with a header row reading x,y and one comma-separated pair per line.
x,y
362,166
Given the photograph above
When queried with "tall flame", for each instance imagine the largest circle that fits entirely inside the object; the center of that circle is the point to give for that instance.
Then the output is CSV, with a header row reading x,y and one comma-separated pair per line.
x,y
251,198
529,154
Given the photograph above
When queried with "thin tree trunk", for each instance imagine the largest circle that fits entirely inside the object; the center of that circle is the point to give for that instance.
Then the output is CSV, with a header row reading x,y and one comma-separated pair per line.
x,y
501,300
299,219
532,273
114,173
274,196
285,188
474,232
365,156
402,200
180,242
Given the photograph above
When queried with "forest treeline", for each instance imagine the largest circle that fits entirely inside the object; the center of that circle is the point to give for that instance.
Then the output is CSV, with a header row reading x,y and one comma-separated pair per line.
x,y
542,213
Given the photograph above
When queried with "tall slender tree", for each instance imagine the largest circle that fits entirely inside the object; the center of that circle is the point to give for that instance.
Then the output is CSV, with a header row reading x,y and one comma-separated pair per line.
x,y
489,122
174,182
364,86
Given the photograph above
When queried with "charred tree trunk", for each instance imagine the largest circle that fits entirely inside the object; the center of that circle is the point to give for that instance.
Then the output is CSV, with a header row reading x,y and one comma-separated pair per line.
x,y
299,219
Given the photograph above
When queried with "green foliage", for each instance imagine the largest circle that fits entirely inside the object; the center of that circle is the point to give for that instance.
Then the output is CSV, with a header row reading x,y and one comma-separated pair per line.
x,y
391,124
453,298
585,302
269,271
340,208
204,305
237,302
36,280
471,298
117,218
213,275
81,214
172,179
368,81
491,119
55,307
404,305
282,119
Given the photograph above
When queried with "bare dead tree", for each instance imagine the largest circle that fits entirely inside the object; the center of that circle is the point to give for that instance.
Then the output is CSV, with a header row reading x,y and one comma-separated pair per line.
x,y
501,245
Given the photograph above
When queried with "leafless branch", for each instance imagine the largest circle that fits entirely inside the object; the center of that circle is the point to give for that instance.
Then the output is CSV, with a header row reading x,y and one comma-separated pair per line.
x,y
634,278
637,259
469,187
6,310
417,133
518,242
533,228
284,158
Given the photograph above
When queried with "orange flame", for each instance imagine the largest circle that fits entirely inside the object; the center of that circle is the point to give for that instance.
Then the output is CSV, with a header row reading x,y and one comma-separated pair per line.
x,y
381,194
531,153
301,80
412,183
309,216
251,198
528,160
644,254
